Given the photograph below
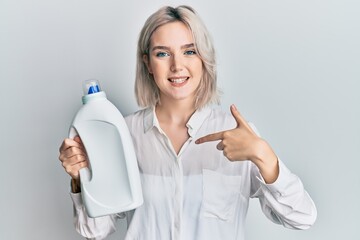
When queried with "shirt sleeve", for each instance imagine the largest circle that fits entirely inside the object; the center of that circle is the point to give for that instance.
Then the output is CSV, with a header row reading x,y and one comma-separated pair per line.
x,y
91,228
285,201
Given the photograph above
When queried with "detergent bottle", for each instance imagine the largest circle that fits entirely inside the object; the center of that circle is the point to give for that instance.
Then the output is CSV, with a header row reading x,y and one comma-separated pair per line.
x,y
111,183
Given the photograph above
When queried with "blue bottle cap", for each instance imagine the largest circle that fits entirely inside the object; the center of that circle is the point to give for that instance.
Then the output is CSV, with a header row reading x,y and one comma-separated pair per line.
x,y
91,86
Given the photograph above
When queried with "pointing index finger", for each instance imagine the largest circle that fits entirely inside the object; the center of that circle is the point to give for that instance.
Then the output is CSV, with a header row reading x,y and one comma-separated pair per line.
x,y
239,118
236,114
210,138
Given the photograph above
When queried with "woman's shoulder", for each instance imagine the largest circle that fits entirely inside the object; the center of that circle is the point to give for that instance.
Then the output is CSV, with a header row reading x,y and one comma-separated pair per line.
x,y
137,117
220,115
216,119
137,114
227,119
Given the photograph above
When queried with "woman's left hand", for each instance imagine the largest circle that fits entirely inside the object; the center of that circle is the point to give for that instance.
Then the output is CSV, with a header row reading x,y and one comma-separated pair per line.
x,y
242,143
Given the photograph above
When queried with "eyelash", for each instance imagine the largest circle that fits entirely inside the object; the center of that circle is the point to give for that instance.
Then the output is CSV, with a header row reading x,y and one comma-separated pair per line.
x,y
161,54
165,54
193,52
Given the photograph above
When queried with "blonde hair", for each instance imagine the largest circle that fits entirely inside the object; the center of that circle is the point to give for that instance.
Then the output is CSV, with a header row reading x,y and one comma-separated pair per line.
x,y
146,91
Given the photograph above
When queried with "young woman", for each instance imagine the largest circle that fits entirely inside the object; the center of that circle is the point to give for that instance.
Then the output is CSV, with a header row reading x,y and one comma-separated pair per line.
x,y
198,166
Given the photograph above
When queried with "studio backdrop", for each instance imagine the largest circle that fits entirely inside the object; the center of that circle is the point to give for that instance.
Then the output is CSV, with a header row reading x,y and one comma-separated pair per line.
x,y
291,67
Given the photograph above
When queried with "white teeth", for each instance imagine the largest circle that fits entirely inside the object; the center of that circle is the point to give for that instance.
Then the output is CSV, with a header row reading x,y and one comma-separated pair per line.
x,y
178,80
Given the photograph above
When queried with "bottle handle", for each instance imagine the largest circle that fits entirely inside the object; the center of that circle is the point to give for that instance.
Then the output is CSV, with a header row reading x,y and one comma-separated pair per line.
x,y
85,174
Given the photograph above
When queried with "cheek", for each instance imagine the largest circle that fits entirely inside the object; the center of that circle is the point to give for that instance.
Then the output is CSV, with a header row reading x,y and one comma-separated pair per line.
x,y
158,68
198,66
159,73
200,70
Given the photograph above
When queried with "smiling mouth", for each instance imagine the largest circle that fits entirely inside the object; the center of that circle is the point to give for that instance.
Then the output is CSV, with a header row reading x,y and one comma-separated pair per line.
x,y
178,80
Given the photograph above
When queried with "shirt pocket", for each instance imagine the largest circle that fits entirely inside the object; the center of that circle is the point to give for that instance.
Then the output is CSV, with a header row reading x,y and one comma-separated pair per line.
x,y
220,195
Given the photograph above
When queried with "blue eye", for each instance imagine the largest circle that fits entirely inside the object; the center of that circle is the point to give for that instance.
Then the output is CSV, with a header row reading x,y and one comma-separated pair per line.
x,y
162,54
190,52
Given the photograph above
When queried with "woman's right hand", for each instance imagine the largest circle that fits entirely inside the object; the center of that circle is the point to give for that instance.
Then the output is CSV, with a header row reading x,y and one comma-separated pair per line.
x,y
73,157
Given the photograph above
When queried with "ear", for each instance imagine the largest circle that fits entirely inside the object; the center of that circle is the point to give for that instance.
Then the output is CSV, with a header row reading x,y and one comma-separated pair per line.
x,y
147,62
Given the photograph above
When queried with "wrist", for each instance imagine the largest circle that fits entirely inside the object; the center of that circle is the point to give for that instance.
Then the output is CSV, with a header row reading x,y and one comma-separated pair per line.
x,y
267,162
75,185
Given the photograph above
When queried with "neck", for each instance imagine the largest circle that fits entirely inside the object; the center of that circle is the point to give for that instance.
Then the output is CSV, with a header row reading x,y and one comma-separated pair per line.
x,y
177,112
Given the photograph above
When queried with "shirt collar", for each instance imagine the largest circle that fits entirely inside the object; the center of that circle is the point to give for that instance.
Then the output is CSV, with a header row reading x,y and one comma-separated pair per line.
x,y
197,119
150,119
193,125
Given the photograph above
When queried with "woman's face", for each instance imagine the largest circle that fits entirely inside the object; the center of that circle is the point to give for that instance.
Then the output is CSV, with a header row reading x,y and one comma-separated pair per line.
x,y
174,63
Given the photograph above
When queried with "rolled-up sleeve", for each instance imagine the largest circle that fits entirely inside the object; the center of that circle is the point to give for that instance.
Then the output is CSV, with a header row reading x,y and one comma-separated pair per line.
x,y
285,201
91,228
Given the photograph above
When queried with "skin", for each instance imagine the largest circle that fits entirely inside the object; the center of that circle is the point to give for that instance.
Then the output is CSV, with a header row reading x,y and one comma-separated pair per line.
x,y
242,143
177,71
73,156
173,57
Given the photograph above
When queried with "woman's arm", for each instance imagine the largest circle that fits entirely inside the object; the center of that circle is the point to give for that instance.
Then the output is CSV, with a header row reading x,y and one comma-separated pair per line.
x,y
281,193
242,144
285,201
91,228
73,157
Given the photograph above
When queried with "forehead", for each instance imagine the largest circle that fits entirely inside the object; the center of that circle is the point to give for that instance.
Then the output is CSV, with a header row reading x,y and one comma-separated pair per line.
x,y
172,34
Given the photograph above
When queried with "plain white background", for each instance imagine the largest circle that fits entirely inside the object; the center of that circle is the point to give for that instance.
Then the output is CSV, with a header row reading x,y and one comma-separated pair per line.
x,y
292,68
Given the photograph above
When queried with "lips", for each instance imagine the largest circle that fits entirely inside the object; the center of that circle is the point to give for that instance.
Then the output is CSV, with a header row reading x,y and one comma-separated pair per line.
x,y
178,80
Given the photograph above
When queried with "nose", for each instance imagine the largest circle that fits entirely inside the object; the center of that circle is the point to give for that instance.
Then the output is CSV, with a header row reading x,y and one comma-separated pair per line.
x,y
176,63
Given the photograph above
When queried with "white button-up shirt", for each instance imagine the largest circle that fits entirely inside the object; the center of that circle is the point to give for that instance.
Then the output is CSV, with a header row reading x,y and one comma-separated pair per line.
x,y
197,194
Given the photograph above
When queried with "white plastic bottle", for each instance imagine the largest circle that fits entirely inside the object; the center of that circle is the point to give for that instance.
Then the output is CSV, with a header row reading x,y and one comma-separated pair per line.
x,y
111,184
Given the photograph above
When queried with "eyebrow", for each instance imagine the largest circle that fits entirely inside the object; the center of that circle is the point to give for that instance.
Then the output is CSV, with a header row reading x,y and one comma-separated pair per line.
x,y
190,45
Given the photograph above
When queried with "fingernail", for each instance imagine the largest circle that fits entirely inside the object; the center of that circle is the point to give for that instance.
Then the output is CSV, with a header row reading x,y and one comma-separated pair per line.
x,y
197,141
